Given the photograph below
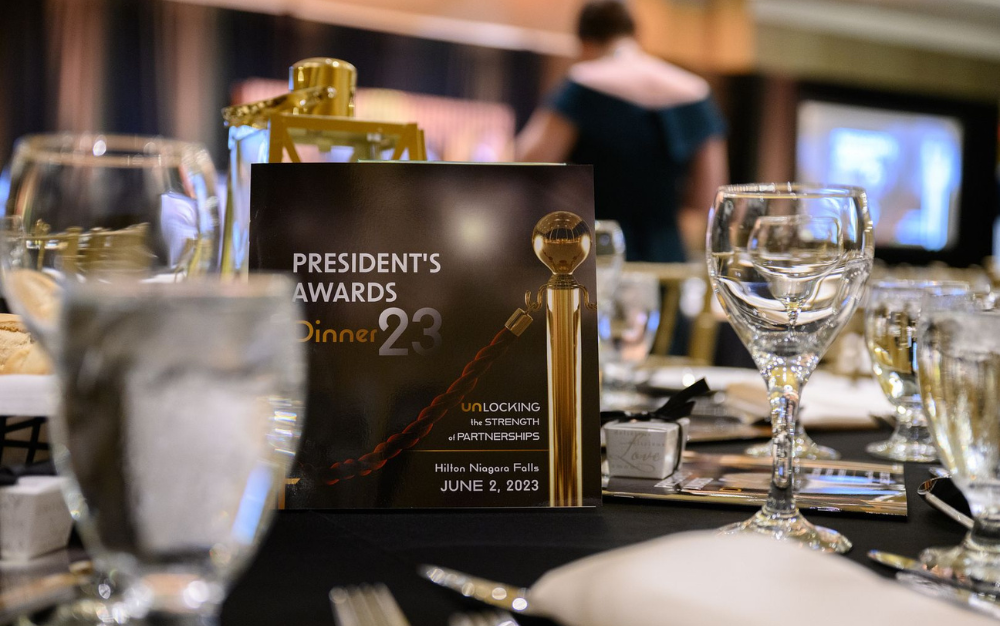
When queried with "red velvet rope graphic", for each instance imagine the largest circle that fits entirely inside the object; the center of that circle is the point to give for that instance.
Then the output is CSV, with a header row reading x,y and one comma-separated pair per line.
x,y
418,428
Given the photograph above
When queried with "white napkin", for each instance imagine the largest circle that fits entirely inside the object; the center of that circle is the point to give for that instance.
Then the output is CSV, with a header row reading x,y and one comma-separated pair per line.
x,y
828,400
702,578
28,396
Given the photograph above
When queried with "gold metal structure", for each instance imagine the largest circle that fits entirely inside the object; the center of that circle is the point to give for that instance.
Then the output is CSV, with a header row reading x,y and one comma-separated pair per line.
x,y
562,241
705,329
313,122
99,249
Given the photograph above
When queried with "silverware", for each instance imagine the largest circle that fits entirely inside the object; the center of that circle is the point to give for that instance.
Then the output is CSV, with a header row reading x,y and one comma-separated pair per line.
x,y
485,618
507,597
926,491
912,566
366,605
895,561
981,603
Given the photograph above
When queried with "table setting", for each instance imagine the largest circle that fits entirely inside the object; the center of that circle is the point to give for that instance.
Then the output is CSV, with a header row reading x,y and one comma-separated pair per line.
x,y
241,435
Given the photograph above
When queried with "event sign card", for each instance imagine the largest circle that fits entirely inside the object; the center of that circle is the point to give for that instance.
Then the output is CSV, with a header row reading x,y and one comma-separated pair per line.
x,y
451,328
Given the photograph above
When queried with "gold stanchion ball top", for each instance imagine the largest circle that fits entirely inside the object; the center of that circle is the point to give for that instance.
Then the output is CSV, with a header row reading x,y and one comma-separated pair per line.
x,y
562,241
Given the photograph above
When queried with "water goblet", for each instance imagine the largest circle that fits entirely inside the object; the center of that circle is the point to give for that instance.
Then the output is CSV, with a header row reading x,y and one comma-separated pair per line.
x,y
792,252
959,379
181,413
92,206
891,318
609,246
789,281
632,324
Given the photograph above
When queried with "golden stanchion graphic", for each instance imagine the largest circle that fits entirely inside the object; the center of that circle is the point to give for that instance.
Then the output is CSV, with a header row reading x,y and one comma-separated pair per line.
x,y
562,241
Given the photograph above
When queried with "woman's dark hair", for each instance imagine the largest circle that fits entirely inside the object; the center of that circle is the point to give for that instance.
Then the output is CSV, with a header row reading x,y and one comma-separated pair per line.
x,y
604,20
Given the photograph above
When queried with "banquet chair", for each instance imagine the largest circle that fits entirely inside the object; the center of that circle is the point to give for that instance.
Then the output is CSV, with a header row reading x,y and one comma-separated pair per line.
x,y
678,283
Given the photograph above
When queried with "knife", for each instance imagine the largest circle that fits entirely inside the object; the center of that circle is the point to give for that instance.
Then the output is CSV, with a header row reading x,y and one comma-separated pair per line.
x,y
508,597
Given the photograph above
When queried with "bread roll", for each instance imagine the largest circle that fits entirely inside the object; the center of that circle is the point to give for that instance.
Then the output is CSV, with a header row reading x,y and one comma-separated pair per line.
x,y
18,354
11,341
37,292
29,359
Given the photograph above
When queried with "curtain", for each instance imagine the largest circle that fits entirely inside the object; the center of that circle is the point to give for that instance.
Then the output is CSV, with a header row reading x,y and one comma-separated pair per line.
x,y
162,67
75,60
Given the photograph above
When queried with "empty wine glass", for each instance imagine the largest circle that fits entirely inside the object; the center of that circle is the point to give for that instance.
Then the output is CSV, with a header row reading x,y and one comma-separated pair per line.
x,y
633,321
95,207
610,254
788,263
959,377
893,312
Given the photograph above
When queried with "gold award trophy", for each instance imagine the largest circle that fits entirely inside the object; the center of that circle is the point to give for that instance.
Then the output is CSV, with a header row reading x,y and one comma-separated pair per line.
x,y
562,241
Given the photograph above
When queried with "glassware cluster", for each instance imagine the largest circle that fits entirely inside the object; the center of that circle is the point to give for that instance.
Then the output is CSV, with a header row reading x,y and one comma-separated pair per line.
x,y
893,312
789,264
181,395
959,379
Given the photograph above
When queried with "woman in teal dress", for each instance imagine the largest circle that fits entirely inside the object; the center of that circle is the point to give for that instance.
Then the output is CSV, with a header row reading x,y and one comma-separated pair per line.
x,y
650,129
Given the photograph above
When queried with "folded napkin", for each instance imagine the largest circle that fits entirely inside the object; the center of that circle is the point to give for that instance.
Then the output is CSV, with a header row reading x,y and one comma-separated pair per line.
x,y
28,395
702,578
828,401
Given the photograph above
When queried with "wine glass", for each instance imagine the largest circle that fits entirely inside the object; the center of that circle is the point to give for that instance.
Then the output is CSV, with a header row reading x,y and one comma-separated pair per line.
x,y
774,245
181,412
958,352
90,208
610,254
891,319
788,262
103,207
633,320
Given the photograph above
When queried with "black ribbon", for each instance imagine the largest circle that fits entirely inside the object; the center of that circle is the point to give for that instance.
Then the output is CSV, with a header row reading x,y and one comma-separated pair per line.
x,y
681,404
10,474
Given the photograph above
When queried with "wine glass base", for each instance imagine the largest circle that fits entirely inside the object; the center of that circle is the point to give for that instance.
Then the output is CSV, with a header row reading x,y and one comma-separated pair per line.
x,y
805,448
91,613
793,528
907,443
79,612
964,566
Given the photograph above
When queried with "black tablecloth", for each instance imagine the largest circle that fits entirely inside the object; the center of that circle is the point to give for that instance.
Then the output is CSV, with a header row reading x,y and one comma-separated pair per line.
x,y
307,553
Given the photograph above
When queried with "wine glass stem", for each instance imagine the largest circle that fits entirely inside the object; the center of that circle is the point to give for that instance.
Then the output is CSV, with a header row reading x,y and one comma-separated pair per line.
x,y
985,534
784,414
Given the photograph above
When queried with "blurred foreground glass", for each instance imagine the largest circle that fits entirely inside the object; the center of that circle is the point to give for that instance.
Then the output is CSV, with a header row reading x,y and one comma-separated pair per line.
x,y
96,207
894,309
182,408
788,263
959,377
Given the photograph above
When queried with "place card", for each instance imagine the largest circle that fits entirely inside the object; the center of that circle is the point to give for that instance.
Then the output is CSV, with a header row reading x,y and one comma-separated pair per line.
x,y
448,313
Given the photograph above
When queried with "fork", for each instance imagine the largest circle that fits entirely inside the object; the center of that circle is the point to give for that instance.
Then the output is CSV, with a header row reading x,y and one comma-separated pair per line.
x,y
366,605
484,618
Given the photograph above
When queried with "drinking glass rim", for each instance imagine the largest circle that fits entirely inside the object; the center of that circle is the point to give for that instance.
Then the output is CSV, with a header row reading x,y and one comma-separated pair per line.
x,y
107,149
789,190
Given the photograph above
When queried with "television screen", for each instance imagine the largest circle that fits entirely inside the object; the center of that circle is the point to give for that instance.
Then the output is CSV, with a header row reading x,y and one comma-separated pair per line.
x,y
909,163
